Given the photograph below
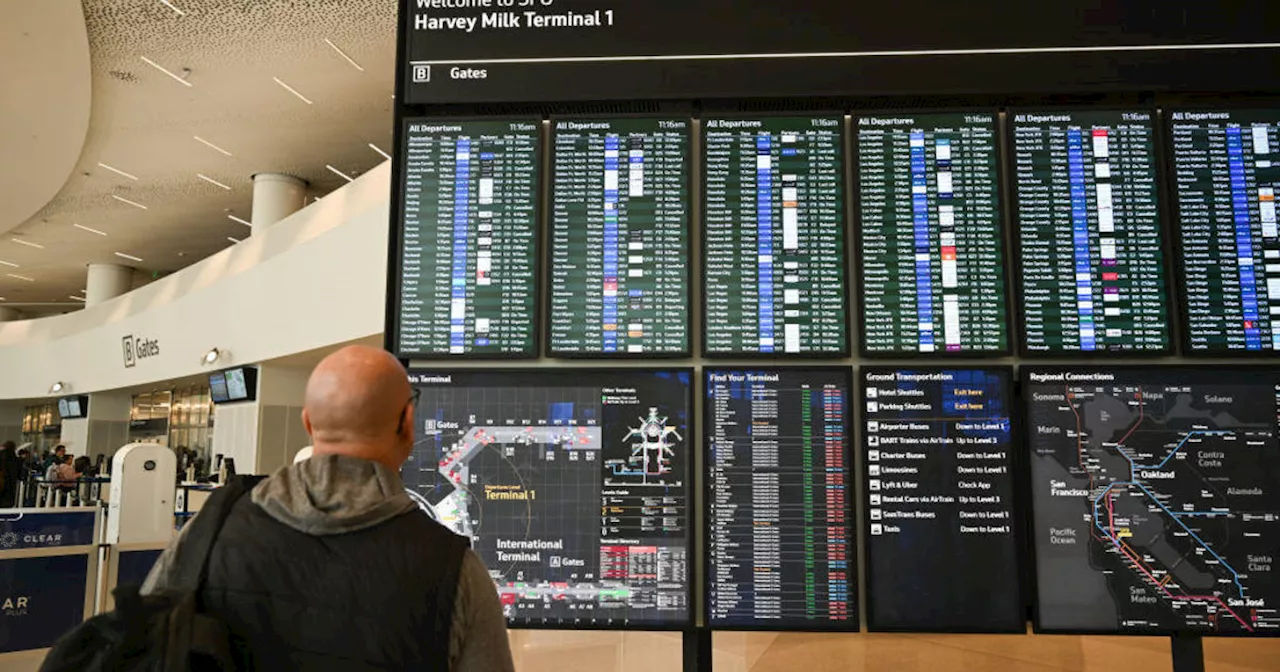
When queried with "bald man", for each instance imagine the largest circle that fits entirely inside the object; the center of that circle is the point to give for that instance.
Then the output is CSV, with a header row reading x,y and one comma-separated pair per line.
x,y
329,565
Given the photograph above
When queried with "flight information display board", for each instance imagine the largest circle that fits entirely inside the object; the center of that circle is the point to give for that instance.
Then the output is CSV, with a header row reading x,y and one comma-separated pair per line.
x,y
572,485
1227,171
773,237
1155,502
779,493
619,237
469,240
942,538
932,246
1090,237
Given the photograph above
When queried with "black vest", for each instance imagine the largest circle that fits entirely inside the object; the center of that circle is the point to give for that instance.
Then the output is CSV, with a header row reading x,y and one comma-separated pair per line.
x,y
381,598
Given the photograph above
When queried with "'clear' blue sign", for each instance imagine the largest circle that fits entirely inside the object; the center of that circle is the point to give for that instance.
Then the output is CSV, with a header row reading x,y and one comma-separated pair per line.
x,y
33,529
40,599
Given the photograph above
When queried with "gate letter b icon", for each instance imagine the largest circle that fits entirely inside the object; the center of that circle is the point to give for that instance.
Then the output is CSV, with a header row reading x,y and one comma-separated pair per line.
x,y
129,359
421,73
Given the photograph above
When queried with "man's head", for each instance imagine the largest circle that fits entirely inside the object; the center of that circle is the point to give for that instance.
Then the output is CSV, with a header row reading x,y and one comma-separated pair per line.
x,y
60,450
8,445
359,404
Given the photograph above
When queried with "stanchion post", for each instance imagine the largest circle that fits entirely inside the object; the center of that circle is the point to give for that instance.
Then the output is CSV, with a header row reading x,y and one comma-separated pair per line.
x,y
1188,653
697,650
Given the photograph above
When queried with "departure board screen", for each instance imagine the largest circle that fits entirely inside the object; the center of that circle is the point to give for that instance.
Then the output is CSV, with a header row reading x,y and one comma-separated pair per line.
x,y
773,246
572,485
942,539
620,237
1227,171
1155,502
932,243
1089,233
468,246
781,541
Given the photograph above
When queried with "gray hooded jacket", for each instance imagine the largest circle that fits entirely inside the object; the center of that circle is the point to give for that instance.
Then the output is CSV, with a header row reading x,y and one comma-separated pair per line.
x,y
332,494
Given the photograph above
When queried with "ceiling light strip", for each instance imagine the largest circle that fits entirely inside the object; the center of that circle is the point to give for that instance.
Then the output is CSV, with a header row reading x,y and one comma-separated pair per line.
x,y
20,277
76,298
168,4
206,143
127,256
237,219
294,91
28,243
212,181
133,203
161,68
117,171
344,55
89,229
234,240
339,173
10,264
379,150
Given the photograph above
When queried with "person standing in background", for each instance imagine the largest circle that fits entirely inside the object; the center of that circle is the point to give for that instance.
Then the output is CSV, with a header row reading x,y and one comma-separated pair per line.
x,y
10,475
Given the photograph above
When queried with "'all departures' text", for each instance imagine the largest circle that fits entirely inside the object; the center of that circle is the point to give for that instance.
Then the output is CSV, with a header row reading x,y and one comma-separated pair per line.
x,y
506,15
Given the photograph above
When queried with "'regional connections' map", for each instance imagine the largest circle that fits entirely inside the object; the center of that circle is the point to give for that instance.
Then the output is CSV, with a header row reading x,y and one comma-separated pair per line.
x,y
1157,499
572,487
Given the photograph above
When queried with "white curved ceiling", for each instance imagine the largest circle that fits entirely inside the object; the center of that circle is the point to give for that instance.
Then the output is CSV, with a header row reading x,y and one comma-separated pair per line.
x,y
168,145
44,103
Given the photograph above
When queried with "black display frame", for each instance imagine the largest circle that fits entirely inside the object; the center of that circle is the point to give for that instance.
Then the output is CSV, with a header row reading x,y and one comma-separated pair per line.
x,y
1163,226
1017,522
854,624
1033,568
549,232
845,175
1004,214
1183,317
691,491
396,262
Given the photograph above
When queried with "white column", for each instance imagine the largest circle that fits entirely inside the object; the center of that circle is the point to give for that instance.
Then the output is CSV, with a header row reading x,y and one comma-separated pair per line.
x,y
106,282
276,196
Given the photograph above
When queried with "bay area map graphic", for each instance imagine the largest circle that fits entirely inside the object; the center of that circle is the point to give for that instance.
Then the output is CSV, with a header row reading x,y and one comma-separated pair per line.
x,y
1156,499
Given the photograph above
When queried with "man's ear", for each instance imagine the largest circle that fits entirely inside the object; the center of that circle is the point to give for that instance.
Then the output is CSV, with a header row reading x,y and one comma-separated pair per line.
x,y
406,422
306,423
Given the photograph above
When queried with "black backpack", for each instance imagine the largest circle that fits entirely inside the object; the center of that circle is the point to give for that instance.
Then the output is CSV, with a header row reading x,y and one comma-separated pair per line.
x,y
160,633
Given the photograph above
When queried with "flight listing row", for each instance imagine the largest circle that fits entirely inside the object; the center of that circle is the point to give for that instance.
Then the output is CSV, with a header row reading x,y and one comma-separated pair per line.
x,y
1090,499
1093,227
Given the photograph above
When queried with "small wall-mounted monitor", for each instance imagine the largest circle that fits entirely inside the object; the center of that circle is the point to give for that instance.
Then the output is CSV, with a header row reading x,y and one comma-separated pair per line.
x,y
233,385
74,407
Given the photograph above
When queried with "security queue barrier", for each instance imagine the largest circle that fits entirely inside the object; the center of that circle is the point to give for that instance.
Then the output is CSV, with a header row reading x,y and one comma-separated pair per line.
x,y
49,566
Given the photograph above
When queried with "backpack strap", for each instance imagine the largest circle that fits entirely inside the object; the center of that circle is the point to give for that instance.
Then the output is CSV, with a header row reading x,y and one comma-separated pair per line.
x,y
198,547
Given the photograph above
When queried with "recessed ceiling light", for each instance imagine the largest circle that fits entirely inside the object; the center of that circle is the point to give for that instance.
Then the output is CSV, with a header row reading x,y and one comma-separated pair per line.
x,y
234,240
378,150
168,4
293,91
344,55
127,256
339,173
125,200
117,171
76,298
212,181
10,264
161,68
206,143
28,243
20,277
237,219
89,229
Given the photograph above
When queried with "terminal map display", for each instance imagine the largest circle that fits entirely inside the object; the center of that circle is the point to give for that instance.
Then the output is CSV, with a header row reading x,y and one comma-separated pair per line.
x,y
468,248
942,538
932,243
572,484
773,227
779,490
1227,170
1089,232
620,237
1155,501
